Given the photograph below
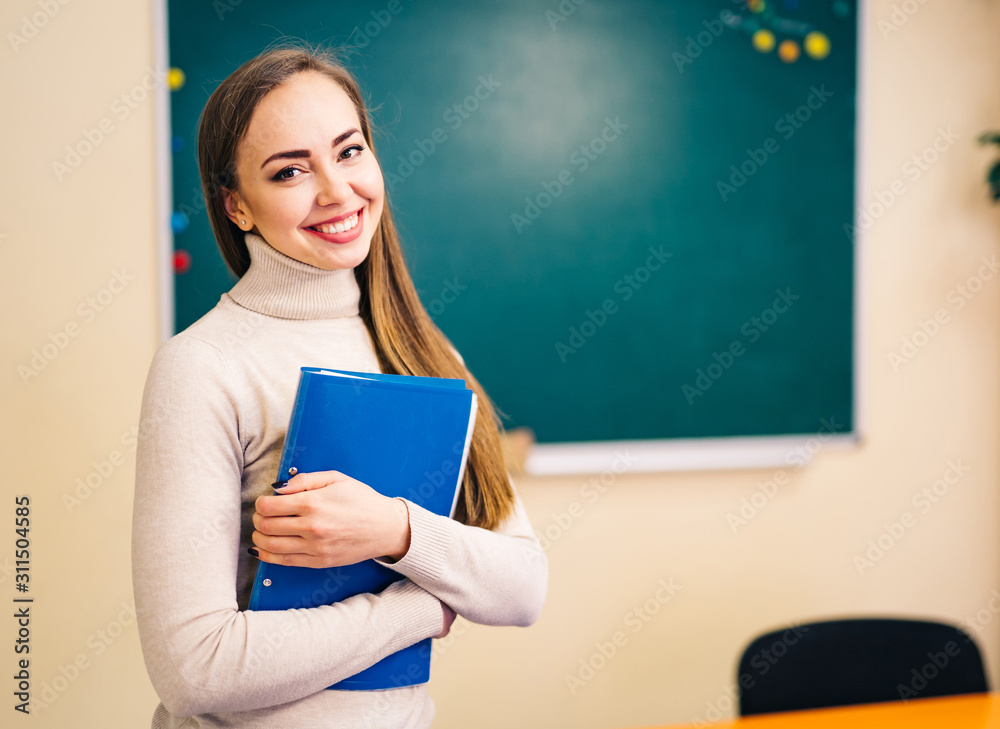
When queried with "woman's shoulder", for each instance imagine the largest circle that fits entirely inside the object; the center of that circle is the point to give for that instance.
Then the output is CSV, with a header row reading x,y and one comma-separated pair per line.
x,y
187,357
221,329
205,345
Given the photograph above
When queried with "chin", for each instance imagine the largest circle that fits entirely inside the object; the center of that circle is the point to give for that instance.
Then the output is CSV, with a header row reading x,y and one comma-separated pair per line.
x,y
342,259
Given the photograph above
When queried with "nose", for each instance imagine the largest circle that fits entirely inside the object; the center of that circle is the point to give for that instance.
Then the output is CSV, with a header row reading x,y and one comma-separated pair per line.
x,y
332,188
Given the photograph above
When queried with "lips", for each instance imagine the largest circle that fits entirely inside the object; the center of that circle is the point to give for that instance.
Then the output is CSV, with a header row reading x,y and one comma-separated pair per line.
x,y
339,226
341,229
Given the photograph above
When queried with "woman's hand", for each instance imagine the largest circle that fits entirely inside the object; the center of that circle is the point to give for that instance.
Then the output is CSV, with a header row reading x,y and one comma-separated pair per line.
x,y
327,519
449,618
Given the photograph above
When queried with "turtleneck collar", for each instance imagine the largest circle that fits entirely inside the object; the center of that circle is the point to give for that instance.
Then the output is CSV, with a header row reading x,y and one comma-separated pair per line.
x,y
278,285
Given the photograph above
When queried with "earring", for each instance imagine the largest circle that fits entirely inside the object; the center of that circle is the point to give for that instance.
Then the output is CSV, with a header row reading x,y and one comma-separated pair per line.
x,y
243,222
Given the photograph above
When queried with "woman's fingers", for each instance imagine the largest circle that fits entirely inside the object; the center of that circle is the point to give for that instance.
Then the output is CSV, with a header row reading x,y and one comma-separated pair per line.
x,y
295,552
337,519
296,536
289,560
272,506
277,526
295,499
279,545
309,481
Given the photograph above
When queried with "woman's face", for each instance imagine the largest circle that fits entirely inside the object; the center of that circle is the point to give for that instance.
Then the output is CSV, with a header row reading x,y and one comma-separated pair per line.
x,y
308,183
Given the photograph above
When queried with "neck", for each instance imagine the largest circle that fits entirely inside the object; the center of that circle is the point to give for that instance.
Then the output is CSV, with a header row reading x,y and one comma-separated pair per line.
x,y
280,286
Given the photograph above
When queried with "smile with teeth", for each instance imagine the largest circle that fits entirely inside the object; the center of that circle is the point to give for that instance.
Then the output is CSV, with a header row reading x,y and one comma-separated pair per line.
x,y
341,226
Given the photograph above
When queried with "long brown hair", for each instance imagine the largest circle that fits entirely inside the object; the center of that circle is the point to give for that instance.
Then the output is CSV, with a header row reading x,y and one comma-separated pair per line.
x,y
406,340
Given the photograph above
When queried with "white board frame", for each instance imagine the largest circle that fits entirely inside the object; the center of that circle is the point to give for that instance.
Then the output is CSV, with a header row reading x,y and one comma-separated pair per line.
x,y
164,174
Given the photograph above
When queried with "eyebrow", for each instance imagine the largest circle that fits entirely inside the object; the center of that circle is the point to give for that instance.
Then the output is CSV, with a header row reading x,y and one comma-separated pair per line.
x,y
304,153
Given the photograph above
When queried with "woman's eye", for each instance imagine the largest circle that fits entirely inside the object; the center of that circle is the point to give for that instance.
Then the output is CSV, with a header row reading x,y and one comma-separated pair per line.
x,y
286,174
353,151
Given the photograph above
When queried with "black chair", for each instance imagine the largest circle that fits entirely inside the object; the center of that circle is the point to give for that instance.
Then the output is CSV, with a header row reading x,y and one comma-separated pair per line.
x,y
860,661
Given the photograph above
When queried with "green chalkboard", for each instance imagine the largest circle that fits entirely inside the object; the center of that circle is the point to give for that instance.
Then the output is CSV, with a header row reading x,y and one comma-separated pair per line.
x,y
628,215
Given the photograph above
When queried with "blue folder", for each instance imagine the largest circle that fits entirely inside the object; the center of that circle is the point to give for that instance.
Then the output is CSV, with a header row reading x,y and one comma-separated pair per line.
x,y
403,436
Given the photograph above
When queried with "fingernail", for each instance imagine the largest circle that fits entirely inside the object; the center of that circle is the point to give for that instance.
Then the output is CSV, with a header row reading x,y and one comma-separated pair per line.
x,y
253,551
279,485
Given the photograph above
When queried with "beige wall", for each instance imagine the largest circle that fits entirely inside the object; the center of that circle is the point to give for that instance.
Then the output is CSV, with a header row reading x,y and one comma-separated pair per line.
x,y
65,240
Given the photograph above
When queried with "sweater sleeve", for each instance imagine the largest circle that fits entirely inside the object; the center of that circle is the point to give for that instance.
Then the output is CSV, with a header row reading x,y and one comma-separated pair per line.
x,y
202,653
489,577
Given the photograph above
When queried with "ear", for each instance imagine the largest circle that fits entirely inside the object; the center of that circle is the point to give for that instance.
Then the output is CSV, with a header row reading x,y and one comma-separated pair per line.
x,y
236,209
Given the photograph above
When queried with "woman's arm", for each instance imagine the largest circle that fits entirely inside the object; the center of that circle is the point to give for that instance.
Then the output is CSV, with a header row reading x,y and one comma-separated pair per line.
x,y
202,653
324,519
490,577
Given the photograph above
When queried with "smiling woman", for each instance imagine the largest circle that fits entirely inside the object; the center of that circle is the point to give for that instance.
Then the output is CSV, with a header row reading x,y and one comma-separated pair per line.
x,y
318,203
296,199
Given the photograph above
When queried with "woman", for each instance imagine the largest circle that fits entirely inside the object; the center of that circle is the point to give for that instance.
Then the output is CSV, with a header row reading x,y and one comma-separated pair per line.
x,y
297,204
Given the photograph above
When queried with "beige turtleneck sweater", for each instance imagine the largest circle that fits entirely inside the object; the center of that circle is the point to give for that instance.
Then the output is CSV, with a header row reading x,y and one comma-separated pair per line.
x,y
215,409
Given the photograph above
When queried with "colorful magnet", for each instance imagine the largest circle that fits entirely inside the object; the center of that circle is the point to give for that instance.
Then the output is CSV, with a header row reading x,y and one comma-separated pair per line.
x,y
182,261
179,222
788,51
175,79
763,40
817,45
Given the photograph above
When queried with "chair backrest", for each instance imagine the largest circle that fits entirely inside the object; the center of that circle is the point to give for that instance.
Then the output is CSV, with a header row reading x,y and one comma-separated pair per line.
x,y
857,661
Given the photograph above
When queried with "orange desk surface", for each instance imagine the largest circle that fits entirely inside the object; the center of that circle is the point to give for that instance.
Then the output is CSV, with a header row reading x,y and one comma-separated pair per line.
x,y
950,712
